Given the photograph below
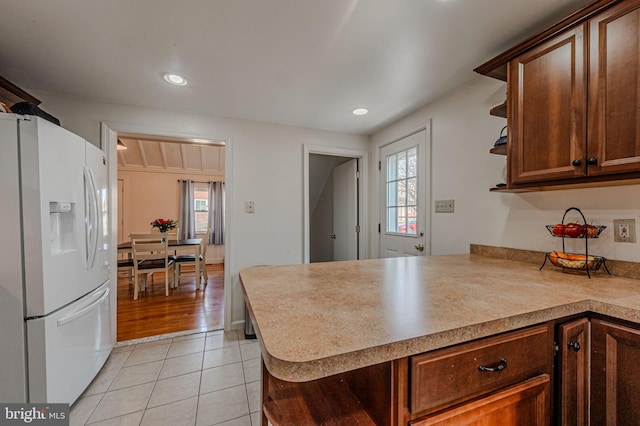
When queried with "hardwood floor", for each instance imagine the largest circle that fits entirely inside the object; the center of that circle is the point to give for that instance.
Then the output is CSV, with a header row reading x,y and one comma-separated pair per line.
x,y
184,309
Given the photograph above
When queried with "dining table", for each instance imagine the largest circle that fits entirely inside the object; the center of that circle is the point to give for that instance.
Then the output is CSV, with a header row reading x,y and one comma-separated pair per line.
x,y
185,246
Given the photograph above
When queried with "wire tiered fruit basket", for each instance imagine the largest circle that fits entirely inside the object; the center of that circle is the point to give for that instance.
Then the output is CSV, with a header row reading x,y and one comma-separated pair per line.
x,y
575,261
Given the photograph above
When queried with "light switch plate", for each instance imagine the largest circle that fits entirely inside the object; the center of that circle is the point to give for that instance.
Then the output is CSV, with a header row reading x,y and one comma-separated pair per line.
x,y
444,206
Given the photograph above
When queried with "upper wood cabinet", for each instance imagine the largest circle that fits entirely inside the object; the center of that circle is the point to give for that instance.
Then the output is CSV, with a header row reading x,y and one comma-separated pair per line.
x,y
614,90
574,99
547,92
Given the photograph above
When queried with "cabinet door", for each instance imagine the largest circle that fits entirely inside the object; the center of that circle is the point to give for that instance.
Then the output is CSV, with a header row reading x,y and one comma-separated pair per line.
x,y
524,404
614,90
547,88
615,374
573,390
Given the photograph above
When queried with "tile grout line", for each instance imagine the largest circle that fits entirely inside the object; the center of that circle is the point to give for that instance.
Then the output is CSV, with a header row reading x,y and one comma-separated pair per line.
x,y
204,349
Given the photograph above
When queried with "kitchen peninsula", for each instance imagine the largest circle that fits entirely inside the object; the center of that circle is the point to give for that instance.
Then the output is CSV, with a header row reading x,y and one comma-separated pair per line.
x,y
428,340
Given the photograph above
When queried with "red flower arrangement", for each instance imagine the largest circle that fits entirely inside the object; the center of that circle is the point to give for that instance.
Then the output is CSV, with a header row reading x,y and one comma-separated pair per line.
x,y
164,224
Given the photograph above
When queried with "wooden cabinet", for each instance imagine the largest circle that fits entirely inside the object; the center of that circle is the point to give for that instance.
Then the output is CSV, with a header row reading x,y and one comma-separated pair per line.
x,y
500,377
524,404
505,379
573,373
574,97
547,92
615,374
614,90
598,379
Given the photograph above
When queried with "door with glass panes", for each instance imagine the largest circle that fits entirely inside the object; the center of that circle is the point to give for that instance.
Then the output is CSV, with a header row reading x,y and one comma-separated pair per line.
x,y
403,230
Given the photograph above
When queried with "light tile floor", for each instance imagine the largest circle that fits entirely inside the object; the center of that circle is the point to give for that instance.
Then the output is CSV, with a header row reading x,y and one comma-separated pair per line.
x,y
201,379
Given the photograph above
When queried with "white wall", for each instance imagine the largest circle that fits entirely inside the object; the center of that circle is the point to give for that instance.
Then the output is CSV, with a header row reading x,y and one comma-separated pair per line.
x,y
266,167
463,169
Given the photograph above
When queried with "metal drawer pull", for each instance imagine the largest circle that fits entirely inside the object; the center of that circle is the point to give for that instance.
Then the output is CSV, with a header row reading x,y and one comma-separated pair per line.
x,y
502,366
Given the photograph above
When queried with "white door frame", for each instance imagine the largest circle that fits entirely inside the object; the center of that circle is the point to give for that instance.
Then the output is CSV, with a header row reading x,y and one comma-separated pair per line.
x,y
363,156
427,181
109,142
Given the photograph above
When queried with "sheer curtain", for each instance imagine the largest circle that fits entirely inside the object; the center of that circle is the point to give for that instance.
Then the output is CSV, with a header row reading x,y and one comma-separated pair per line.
x,y
187,218
216,212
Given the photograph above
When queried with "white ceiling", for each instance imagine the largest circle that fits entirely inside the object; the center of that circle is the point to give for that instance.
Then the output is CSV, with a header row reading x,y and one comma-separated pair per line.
x,y
296,62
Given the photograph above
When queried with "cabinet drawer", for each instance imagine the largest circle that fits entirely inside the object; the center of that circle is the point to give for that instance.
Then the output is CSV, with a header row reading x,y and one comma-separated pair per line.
x,y
526,403
452,375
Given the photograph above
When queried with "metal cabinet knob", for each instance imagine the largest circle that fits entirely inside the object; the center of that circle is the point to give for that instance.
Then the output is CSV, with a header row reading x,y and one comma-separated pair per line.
x,y
576,163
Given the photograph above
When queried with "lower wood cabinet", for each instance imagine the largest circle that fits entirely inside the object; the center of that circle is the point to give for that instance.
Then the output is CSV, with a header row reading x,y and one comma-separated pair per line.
x,y
504,379
599,373
615,374
508,379
526,403
573,372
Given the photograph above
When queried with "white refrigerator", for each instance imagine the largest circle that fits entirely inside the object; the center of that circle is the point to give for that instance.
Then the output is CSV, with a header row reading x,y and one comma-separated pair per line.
x,y
55,329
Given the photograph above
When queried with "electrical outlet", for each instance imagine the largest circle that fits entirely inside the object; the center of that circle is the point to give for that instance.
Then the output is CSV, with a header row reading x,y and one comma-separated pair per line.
x,y
624,230
249,207
444,206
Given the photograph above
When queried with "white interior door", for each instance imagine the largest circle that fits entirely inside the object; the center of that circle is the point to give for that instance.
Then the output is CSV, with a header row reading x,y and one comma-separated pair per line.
x,y
404,185
345,211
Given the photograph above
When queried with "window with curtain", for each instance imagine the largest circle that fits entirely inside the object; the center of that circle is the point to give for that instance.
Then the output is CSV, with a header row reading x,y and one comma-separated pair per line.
x,y
201,206
216,212
186,217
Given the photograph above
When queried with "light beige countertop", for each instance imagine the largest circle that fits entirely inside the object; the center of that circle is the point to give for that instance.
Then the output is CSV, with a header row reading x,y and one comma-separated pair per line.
x,y
316,320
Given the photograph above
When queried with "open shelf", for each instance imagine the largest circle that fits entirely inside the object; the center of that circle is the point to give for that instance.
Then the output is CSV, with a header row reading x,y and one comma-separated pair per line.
x,y
499,150
357,397
321,402
500,110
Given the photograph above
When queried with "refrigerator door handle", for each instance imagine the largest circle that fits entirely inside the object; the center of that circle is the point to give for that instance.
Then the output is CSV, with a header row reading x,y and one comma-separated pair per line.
x,y
90,218
96,217
79,313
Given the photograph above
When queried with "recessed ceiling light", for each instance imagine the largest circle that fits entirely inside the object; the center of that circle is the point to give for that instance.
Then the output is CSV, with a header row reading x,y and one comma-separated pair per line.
x,y
175,79
360,111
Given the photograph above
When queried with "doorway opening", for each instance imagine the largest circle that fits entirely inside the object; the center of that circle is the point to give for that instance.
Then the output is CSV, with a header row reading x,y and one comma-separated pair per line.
x,y
335,182
148,175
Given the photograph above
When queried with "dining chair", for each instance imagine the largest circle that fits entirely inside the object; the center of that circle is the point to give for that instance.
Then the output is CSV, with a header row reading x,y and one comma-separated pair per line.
x,y
173,234
150,255
190,259
125,269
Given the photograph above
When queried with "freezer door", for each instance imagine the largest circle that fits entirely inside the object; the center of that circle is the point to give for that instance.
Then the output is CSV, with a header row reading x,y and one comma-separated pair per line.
x,y
68,348
54,217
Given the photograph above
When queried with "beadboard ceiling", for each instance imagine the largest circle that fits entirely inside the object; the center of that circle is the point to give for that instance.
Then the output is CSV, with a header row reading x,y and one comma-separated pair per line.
x,y
304,63
151,155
